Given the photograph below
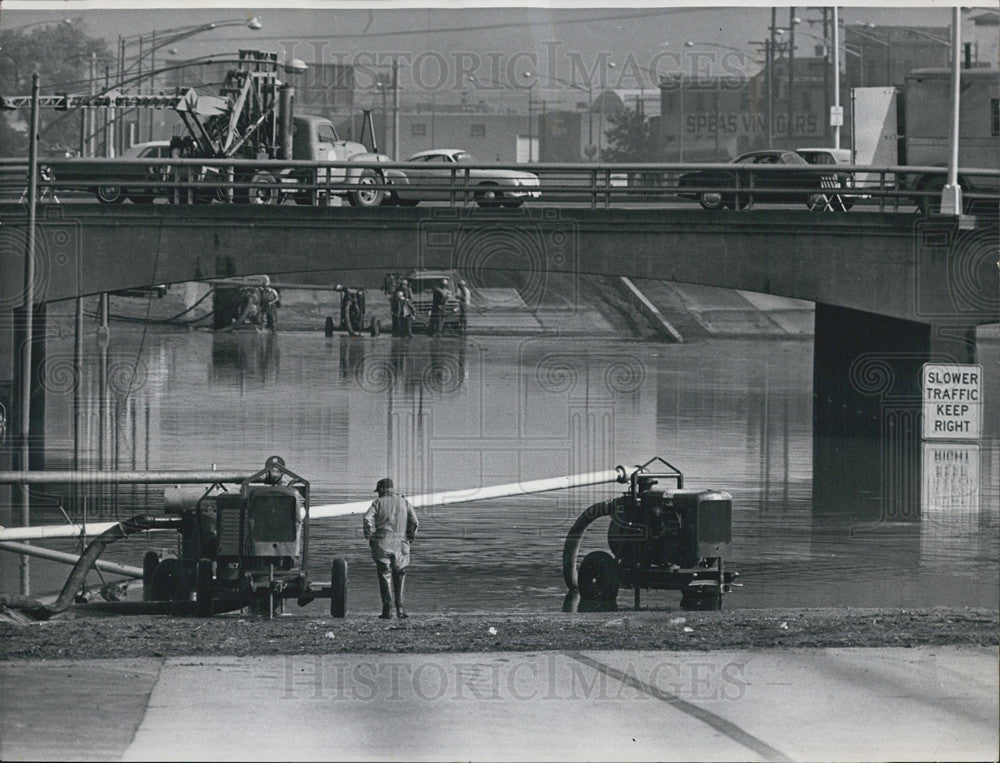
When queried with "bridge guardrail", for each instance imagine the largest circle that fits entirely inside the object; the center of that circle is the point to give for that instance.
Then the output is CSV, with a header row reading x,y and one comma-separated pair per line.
x,y
598,185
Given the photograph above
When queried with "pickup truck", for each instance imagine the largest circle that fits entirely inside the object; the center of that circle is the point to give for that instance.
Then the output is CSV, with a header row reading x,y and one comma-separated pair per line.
x,y
314,139
422,283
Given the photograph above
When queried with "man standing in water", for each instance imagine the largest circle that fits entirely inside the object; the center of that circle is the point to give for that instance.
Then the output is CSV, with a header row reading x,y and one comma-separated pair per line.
x,y
390,524
438,299
269,301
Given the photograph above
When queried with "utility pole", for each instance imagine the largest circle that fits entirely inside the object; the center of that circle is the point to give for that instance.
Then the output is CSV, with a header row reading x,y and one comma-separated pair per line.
x,y
791,71
92,113
395,109
27,337
827,102
152,80
769,76
531,150
770,79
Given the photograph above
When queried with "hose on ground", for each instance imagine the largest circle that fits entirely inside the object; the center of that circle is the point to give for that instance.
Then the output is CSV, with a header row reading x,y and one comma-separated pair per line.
x,y
130,526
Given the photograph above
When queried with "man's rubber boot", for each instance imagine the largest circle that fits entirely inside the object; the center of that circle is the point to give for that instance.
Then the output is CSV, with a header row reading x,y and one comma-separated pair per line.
x,y
385,589
398,581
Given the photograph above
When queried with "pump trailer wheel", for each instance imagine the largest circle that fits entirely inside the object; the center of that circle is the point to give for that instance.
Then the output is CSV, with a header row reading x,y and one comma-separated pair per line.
x,y
203,591
338,588
598,577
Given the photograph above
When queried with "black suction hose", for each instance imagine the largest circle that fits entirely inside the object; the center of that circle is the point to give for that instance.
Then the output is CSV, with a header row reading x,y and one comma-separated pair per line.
x,y
130,526
575,535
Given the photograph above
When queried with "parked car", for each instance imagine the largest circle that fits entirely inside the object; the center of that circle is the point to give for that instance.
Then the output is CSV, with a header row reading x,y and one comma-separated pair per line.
x,y
113,182
825,155
422,283
433,180
769,186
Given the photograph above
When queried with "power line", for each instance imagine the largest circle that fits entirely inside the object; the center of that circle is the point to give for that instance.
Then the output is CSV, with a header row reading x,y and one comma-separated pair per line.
x,y
479,27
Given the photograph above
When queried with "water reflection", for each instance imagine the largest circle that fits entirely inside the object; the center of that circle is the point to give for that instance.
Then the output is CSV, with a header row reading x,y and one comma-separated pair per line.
x,y
435,366
445,413
245,357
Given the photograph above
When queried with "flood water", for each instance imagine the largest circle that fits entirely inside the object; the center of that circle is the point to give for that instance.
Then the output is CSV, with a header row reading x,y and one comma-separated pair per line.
x,y
731,414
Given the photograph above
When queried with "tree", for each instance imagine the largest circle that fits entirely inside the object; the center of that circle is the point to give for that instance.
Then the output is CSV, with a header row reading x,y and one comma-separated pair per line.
x,y
630,137
60,54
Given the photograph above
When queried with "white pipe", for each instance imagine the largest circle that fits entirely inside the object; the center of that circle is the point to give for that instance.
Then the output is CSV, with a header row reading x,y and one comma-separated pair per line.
x,y
60,556
476,494
39,532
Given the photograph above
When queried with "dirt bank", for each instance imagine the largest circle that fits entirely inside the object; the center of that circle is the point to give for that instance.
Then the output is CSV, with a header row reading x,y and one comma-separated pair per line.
x,y
164,636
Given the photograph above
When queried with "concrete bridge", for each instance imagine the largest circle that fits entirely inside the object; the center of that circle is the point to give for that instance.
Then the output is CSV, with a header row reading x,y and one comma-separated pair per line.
x,y
894,290
898,265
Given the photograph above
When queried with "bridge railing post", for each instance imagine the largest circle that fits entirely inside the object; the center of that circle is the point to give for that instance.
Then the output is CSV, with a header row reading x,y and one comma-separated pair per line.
x,y
593,189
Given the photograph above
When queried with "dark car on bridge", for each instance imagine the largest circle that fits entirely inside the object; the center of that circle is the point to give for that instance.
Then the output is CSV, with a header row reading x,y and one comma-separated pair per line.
x,y
114,181
765,177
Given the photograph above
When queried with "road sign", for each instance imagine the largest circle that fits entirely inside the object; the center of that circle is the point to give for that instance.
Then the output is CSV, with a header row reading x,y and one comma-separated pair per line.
x,y
836,116
953,401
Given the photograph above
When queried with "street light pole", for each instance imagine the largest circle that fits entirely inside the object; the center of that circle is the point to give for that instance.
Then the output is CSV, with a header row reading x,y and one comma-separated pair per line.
x,y
531,145
590,115
951,198
836,78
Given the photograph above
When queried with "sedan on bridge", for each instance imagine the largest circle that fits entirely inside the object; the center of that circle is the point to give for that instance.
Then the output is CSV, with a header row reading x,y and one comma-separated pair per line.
x,y
765,177
114,181
442,172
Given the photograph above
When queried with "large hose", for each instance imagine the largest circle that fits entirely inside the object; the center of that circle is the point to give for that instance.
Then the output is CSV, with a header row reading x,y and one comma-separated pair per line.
x,y
575,535
130,526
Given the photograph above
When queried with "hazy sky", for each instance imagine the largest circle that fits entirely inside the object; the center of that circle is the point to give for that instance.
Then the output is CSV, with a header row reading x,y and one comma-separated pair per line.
x,y
441,48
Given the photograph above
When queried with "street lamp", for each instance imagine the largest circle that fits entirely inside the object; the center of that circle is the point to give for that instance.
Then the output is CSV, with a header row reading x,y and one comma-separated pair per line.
x,y
700,43
21,28
148,43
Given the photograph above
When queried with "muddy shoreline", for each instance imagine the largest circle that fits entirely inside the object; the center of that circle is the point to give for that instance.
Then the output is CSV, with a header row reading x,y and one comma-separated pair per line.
x,y
74,637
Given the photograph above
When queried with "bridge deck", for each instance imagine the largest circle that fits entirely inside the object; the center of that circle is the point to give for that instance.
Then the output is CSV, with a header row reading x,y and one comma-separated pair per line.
x,y
901,265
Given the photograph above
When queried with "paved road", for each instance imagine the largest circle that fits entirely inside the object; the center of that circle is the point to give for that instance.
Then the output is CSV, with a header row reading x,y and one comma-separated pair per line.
x,y
928,703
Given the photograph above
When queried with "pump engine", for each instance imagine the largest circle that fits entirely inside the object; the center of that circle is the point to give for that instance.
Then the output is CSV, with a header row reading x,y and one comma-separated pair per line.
x,y
243,548
661,536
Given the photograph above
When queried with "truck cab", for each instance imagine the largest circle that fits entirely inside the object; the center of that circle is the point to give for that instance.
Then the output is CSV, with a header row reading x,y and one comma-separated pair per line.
x,y
315,139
